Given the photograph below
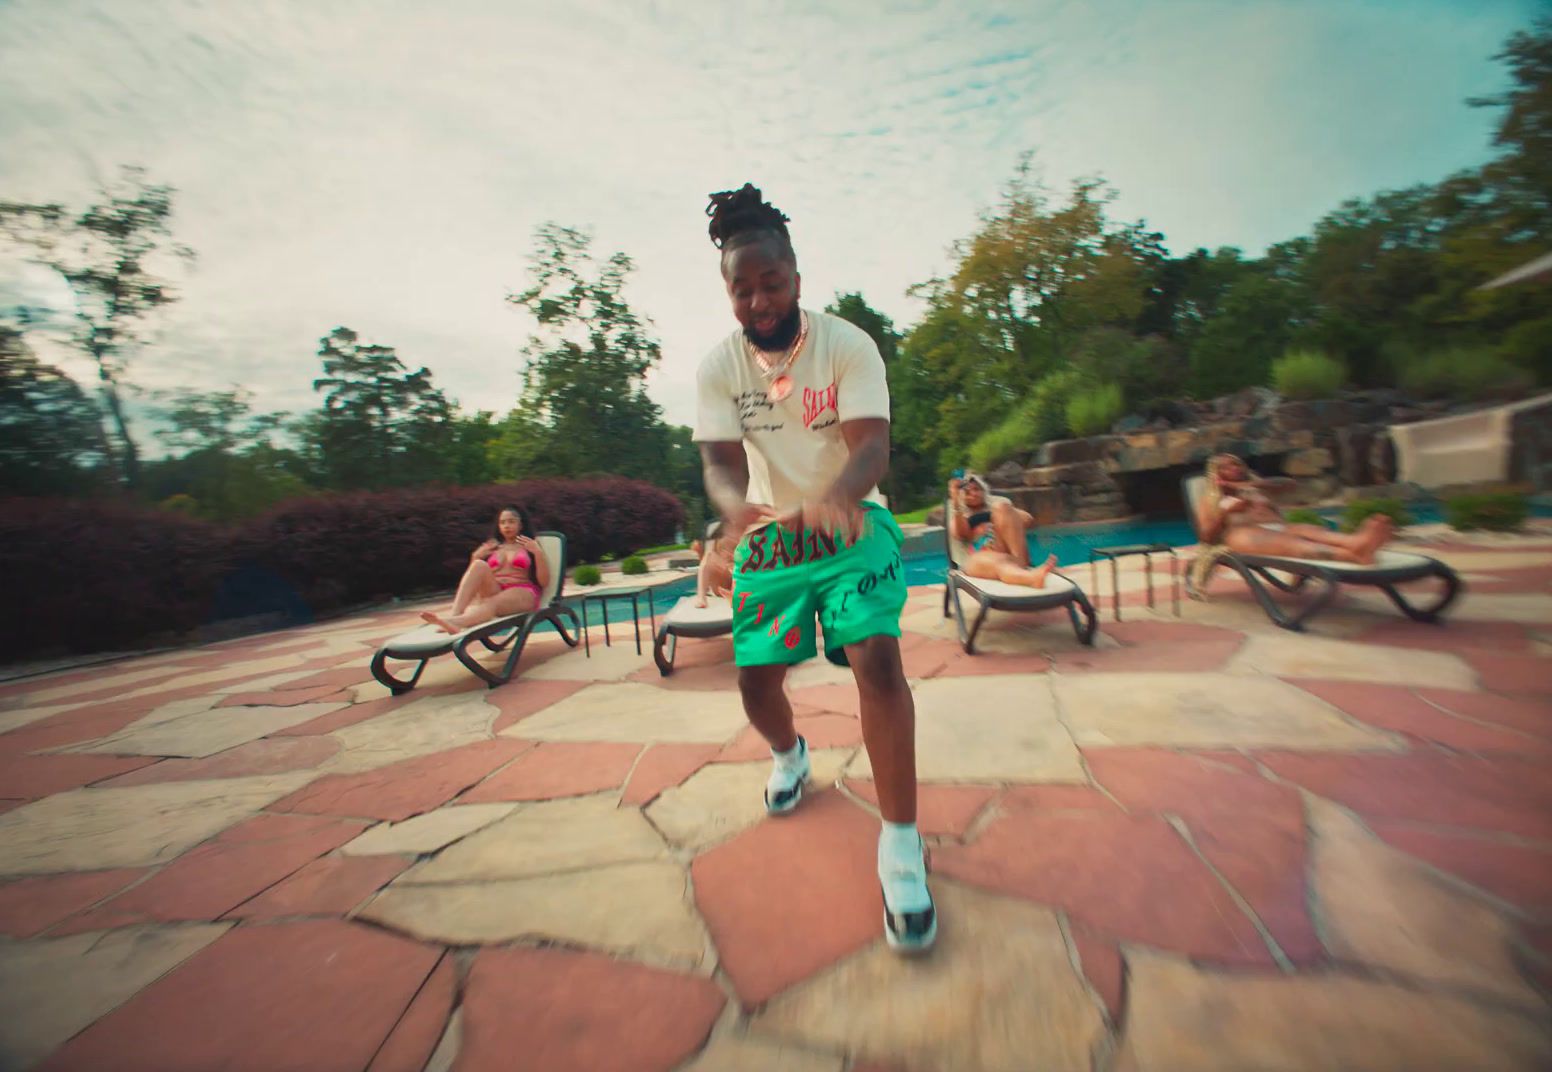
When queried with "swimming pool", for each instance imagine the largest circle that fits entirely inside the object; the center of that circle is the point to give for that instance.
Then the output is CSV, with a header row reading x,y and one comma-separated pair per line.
x,y
1071,547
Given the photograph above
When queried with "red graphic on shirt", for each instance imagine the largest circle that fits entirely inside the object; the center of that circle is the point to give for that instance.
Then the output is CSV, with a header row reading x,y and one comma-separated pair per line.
x,y
816,403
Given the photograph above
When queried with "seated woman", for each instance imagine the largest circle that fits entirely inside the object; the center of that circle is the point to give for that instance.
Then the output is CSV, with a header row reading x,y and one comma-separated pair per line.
x,y
995,534
506,575
715,575
1236,511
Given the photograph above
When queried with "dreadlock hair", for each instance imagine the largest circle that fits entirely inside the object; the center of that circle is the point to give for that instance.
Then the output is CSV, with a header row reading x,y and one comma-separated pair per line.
x,y
741,216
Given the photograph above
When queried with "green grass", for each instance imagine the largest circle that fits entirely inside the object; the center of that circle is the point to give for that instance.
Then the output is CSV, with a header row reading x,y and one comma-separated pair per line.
x,y
914,517
666,547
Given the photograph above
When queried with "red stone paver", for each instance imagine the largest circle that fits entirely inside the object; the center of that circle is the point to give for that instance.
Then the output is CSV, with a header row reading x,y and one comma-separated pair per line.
x,y
345,716
924,656
29,906
1128,875
1100,959
1517,712
821,731
331,886
941,810
407,788
520,699
664,766
315,995
33,776
1512,673
1495,793
580,1012
558,769
340,677
208,881
986,662
1250,829
266,756
415,1036
1449,636
1199,656
1055,798
1136,634
1517,872
282,697
791,896
1395,707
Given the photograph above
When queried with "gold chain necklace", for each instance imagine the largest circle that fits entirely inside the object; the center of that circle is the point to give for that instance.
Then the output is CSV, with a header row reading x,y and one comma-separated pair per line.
x,y
776,371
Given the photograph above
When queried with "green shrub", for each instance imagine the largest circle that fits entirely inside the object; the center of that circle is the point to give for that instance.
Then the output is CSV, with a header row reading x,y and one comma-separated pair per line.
x,y
662,548
1303,515
180,503
633,565
1462,373
1496,511
586,575
1307,374
1040,417
1359,509
1092,412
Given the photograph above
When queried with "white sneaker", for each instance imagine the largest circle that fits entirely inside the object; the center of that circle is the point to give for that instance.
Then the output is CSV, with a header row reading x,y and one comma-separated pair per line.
x,y
784,788
910,917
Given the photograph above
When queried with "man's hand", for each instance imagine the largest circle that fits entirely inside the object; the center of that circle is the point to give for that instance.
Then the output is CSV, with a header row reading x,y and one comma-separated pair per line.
x,y
825,515
748,515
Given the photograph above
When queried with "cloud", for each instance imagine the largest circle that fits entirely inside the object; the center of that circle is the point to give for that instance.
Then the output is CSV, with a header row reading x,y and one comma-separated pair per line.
x,y
383,164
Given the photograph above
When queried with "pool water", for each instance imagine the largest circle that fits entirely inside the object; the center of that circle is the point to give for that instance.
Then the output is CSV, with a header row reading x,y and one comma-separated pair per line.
x,y
1070,546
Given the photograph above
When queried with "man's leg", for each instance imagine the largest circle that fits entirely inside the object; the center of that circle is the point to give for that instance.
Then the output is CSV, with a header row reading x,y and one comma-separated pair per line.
x,y
860,604
766,706
888,724
773,627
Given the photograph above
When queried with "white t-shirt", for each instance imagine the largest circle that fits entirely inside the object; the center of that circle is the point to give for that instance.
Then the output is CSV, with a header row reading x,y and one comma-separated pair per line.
x,y
795,446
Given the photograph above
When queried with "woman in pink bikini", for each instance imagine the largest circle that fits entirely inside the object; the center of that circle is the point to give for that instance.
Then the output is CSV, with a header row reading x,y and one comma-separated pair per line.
x,y
506,575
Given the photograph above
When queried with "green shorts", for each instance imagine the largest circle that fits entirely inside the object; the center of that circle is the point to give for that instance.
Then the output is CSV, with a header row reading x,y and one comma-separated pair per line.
x,y
783,580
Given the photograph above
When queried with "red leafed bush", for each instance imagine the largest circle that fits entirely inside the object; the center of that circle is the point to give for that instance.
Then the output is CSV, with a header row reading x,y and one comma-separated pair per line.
x,y
89,576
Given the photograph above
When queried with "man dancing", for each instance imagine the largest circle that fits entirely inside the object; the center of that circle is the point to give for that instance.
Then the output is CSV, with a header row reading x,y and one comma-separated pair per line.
x,y
793,424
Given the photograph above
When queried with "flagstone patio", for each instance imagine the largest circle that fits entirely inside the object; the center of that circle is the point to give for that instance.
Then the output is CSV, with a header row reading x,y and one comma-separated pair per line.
x,y
1202,844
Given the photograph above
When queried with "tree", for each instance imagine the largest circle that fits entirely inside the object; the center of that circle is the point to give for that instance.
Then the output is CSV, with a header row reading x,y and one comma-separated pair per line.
x,y
912,469
108,255
381,425
584,382
50,433
210,420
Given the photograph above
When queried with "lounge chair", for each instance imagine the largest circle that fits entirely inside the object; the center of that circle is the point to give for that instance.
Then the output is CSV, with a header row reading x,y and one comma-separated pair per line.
x,y
428,642
1388,569
685,619
1059,591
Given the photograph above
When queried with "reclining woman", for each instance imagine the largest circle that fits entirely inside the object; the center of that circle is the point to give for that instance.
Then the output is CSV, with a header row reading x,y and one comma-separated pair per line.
x,y
995,534
715,576
506,575
1235,511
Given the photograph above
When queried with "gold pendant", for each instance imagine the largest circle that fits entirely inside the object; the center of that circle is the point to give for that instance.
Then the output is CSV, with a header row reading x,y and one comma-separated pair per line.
x,y
780,388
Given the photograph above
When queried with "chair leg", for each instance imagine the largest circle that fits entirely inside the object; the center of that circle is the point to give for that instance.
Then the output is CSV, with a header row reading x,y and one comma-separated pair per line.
x,y
975,628
385,678
664,645
1085,627
1294,623
554,616
1428,615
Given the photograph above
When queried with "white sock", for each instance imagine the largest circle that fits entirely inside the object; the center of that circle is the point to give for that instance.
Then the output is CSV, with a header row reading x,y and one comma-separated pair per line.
x,y
791,759
899,849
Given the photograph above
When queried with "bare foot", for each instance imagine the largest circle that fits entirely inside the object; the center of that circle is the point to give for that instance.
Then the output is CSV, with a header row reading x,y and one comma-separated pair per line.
x,y
1374,534
1044,570
437,620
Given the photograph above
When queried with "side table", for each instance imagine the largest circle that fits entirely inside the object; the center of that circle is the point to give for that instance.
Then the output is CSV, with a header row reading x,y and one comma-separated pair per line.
x,y
602,599
1147,550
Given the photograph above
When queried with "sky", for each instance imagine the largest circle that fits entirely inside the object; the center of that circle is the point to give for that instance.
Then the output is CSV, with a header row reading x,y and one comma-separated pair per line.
x,y
382,164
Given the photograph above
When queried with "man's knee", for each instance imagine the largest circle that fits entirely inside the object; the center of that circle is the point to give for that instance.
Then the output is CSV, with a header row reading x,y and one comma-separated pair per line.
x,y
876,664
758,684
